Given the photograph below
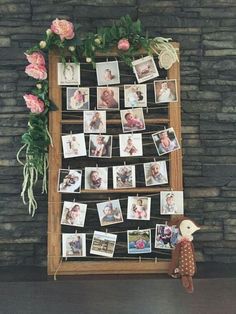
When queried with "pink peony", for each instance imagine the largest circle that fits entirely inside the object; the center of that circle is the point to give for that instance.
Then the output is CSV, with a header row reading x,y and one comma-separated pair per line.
x,y
35,104
39,72
140,244
36,58
123,44
63,28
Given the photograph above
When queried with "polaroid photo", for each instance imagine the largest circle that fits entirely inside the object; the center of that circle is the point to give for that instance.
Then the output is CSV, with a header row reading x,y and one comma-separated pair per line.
x,y
108,73
77,98
145,69
69,181
68,74
94,121
130,145
132,120
73,244
73,214
172,203
100,146
108,98
165,91
124,177
74,145
96,178
165,141
103,244
135,95
139,208
139,241
109,212
166,237
155,173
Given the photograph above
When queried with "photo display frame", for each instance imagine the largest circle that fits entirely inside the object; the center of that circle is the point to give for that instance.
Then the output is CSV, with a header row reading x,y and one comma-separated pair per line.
x,y
64,122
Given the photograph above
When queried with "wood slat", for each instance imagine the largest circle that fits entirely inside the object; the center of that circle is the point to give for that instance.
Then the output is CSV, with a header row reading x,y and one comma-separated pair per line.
x,y
117,121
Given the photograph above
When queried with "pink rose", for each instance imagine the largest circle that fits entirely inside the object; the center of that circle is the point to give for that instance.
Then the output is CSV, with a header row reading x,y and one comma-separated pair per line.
x,y
39,72
123,44
140,244
35,104
36,58
63,28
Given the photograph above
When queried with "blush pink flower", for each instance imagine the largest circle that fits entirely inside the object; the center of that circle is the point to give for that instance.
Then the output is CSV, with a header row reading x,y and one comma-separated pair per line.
x,y
123,44
63,28
35,104
36,58
39,72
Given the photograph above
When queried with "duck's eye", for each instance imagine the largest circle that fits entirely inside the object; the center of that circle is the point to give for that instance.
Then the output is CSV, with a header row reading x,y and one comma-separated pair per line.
x,y
188,227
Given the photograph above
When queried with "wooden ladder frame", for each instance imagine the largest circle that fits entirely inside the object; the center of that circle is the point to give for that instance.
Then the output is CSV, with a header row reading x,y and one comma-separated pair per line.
x,y
80,267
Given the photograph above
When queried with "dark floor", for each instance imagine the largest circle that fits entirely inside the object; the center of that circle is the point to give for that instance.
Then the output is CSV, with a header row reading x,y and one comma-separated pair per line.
x,y
28,291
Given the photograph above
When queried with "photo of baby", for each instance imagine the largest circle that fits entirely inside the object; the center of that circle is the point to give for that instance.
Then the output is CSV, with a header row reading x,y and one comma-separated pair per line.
x,y
100,146
73,214
130,145
124,177
68,74
108,98
139,241
155,173
109,212
108,73
73,244
77,98
94,121
166,237
139,208
145,69
69,181
96,178
171,203
165,141
135,95
165,91
74,145
103,244
132,120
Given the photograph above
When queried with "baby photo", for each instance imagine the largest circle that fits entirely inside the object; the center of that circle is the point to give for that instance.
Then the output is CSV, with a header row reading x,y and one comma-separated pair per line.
x,y
77,98
123,177
108,98
109,212
130,145
73,244
73,214
96,178
166,237
165,141
74,145
139,208
108,73
145,69
155,173
135,95
171,203
139,241
132,120
103,244
94,121
165,91
68,74
100,146
69,181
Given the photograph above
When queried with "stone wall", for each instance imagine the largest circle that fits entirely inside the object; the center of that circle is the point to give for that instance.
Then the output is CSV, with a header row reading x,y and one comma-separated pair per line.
x,y
205,30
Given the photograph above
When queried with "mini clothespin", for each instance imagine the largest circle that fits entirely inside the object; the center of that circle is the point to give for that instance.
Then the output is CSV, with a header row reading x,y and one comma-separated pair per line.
x,y
154,159
76,231
96,166
68,167
106,230
137,194
147,109
74,200
124,163
140,259
155,261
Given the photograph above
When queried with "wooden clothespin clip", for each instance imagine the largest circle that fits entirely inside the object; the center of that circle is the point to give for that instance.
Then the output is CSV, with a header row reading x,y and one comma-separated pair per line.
x,y
68,167
140,259
96,166
106,230
74,200
147,109
76,231
155,261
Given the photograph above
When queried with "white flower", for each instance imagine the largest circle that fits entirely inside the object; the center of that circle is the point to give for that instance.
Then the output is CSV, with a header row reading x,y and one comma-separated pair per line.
x,y
166,59
71,48
39,86
88,60
48,32
42,44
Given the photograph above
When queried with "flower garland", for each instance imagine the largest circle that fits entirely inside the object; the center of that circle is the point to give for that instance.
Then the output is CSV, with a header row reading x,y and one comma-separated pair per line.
x,y
125,36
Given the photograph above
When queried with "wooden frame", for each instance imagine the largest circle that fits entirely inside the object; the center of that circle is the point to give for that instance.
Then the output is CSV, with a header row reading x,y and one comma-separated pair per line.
x,y
55,263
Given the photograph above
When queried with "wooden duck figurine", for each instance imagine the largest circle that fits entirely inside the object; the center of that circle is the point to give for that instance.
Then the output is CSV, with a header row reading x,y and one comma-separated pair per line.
x,y
183,258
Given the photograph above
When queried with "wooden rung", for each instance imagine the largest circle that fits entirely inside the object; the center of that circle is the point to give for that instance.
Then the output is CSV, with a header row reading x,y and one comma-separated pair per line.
x,y
118,121
127,190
